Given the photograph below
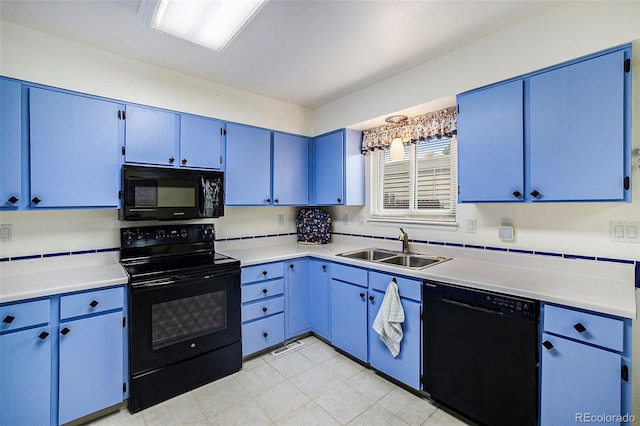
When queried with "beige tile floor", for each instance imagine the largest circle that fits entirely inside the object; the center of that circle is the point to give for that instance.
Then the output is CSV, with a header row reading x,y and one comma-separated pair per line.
x,y
311,385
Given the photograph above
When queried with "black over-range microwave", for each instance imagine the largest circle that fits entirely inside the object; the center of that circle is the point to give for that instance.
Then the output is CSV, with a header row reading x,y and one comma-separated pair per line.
x,y
156,193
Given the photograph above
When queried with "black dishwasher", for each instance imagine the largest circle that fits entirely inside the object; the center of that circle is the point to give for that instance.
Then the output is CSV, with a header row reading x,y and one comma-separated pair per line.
x,y
480,353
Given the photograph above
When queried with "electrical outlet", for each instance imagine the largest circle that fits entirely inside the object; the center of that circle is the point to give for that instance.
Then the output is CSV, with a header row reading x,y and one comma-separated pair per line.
x,y
345,218
5,233
280,219
361,219
472,225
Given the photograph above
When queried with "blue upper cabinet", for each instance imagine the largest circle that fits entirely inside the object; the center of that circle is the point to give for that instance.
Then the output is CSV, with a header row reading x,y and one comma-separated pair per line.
x,y
201,142
338,169
151,136
577,127
10,143
290,169
560,134
74,150
248,168
490,144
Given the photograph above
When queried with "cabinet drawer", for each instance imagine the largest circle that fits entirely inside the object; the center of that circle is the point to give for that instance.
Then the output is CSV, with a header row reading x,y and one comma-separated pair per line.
x,y
349,274
92,302
19,315
262,272
262,308
598,330
407,287
262,334
262,290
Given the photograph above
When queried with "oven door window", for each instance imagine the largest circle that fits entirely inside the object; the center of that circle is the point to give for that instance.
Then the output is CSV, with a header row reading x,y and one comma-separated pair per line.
x,y
185,319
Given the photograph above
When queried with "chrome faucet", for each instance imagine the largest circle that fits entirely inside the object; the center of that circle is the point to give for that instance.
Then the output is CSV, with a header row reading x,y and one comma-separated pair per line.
x,y
405,241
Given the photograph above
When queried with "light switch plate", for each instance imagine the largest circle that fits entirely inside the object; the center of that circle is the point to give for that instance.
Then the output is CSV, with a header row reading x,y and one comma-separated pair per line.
x,y
621,231
472,225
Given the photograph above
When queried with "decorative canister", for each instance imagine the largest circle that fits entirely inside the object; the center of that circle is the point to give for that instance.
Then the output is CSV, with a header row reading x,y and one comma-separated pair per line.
x,y
313,226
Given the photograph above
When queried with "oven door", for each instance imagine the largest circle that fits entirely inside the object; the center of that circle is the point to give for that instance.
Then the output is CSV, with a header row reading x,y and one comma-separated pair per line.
x,y
176,319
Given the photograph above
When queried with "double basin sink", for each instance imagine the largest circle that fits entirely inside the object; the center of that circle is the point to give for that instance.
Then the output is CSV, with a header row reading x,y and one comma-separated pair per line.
x,y
390,257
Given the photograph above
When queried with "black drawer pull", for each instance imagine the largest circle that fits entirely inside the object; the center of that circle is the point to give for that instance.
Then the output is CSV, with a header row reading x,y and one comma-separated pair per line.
x,y
264,309
579,327
268,200
535,193
265,334
8,319
516,193
264,290
13,199
276,201
548,345
43,335
65,331
184,161
264,273
93,303
35,200
362,295
372,298
291,265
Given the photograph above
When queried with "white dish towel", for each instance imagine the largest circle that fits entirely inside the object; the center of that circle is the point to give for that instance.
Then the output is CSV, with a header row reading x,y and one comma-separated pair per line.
x,y
388,322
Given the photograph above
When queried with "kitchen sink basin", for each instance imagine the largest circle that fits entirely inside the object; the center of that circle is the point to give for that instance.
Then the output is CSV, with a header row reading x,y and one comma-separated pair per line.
x,y
405,260
415,261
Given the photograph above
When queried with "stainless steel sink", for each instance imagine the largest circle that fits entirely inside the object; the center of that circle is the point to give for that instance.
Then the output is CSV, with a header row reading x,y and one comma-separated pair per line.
x,y
415,261
405,260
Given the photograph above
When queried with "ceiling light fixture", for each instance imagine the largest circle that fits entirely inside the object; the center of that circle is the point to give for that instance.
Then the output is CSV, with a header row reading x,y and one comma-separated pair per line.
x,y
396,150
212,23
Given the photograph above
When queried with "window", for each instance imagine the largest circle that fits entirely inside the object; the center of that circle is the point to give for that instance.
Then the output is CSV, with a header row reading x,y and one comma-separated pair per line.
x,y
422,186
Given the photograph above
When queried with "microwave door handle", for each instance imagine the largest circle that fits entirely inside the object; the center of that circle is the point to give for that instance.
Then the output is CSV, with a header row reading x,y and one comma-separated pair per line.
x,y
201,197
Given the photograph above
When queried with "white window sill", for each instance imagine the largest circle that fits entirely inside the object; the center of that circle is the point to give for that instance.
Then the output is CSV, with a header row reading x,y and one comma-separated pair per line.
x,y
415,223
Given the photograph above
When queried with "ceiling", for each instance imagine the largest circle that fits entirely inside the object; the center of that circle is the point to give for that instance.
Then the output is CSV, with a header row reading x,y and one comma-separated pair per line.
x,y
306,52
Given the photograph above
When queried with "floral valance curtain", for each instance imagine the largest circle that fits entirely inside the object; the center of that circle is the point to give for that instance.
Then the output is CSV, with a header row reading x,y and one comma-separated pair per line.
x,y
420,128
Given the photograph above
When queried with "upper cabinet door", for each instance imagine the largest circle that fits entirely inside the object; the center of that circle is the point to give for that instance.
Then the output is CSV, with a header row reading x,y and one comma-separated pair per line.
x,y
248,169
328,170
10,143
151,136
577,130
200,142
75,150
290,169
490,144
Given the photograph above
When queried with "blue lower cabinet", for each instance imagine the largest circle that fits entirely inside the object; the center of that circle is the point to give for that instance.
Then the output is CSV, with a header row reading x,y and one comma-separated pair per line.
x,y
320,298
25,377
262,334
297,298
349,318
91,365
405,367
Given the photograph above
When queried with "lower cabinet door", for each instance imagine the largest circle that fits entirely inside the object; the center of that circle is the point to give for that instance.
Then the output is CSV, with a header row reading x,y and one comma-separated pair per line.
x,y
261,334
91,365
320,299
349,318
25,377
578,380
406,366
298,298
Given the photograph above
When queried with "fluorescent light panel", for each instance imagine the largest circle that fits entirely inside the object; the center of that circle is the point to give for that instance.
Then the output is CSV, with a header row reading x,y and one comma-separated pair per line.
x,y
209,23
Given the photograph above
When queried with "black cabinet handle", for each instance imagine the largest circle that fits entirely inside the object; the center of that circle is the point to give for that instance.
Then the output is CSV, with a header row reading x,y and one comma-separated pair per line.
x,y
13,199
35,200
184,161
579,327
265,334
548,345
268,200
516,193
324,268
362,295
264,290
43,335
372,298
171,160
65,331
291,266
535,193
264,273
93,303
264,309
276,201
8,319
339,200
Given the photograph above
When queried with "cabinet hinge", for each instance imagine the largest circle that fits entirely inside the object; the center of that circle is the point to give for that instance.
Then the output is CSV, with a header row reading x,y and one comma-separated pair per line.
x,y
458,189
458,108
123,150
624,373
221,159
421,379
223,132
121,115
124,322
626,183
119,195
627,65
124,387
